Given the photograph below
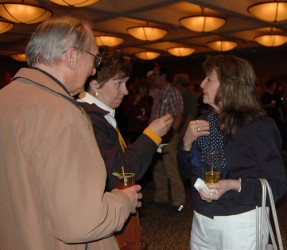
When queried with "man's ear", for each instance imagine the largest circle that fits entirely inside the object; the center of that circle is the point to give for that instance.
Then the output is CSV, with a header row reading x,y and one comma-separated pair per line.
x,y
71,57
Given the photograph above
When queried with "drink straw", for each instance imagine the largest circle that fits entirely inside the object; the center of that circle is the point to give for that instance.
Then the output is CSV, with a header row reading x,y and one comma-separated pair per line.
x,y
125,178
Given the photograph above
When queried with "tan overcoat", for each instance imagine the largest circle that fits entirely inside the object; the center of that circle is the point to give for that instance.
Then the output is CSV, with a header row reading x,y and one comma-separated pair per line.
x,y
52,176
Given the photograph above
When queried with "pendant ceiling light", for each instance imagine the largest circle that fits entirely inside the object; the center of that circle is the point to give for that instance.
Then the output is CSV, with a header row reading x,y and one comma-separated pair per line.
x,y
147,33
21,57
5,26
271,40
147,55
275,11
23,13
222,45
74,3
202,23
181,51
110,41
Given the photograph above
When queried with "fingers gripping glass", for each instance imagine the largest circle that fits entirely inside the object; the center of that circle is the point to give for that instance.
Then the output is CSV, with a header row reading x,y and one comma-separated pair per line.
x,y
97,58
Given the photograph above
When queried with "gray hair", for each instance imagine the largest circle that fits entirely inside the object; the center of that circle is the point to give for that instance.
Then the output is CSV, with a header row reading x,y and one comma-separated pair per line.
x,y
56,35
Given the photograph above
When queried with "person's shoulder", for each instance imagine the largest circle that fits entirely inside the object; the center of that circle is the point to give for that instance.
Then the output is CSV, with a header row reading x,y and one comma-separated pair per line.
x,y
262,122
93,108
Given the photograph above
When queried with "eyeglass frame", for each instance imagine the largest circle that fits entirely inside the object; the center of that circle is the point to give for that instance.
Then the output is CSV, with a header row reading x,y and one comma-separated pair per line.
x,y
96,57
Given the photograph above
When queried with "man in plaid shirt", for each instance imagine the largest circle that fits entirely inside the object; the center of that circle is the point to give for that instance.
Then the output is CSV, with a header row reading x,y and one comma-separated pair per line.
x,y
168,100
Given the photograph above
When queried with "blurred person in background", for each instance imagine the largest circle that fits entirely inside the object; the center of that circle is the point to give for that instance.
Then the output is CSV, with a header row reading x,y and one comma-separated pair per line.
x,y
166,174
272,102
190,100
137,109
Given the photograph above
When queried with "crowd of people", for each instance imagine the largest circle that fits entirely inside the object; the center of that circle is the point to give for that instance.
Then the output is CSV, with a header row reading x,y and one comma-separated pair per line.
x,y
78,121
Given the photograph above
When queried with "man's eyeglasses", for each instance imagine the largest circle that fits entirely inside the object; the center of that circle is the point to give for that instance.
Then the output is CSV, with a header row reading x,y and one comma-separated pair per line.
x,y
97,58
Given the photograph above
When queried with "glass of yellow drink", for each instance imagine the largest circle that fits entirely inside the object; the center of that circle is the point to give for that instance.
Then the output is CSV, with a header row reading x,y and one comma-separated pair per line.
x,y
212,158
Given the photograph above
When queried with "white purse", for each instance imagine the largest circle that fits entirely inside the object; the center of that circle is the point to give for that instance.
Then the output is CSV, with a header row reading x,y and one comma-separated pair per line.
x,y
262,216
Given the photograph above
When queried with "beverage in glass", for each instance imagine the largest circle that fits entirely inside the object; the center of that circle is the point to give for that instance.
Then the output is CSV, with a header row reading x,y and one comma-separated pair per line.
x,y
126,180
212,158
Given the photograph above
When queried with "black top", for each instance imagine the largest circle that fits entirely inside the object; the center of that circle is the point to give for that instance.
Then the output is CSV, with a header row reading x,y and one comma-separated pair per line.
x,y
135,158
252,153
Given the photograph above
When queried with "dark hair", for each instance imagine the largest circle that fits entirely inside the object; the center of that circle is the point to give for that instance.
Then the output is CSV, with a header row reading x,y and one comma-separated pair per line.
x,y
114,65
163,70
270,83
141,83
236,96
182,79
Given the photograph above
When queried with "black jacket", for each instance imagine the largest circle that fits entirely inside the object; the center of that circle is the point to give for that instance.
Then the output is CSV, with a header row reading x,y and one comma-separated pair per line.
x,y
135,158
252,153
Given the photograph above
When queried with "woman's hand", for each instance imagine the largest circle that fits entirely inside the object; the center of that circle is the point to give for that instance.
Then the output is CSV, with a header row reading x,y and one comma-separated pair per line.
x,y
161,125
195,129
220,188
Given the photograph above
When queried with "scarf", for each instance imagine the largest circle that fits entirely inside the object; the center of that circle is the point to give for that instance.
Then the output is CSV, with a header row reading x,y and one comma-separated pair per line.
x,y
213,140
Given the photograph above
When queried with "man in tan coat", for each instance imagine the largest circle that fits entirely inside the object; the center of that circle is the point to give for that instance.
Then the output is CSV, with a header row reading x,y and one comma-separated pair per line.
x,y
52,176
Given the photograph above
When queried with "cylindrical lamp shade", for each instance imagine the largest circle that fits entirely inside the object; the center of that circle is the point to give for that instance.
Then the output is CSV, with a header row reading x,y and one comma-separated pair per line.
x,y
5,26
74,3
181,51
202,23
110,41
271,40
275,11
19,57
23,13
147,55
222,45
147,33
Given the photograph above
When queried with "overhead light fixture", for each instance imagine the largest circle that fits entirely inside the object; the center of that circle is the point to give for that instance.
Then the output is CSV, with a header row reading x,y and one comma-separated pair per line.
x,y
21,57
24,13
222,45
202,23
147,33
147,55
110,41
181,51
275,11
74,3
271,40
5,26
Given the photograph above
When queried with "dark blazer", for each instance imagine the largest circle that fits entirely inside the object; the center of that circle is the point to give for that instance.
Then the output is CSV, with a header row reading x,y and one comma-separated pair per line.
x,y
252,153
135,158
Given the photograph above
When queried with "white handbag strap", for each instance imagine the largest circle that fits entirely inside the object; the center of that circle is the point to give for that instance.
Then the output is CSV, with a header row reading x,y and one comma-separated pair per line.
x,y
264,215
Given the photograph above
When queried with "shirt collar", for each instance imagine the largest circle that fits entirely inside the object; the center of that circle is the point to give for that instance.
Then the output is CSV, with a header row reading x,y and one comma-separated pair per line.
x,y
88,98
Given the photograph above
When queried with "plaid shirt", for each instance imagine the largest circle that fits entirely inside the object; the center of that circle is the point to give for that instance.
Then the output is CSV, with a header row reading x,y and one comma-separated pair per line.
x,y
168,100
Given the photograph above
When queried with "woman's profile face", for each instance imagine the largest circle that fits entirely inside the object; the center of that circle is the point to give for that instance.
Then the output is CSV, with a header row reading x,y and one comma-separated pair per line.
x,y
210,86
113,92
